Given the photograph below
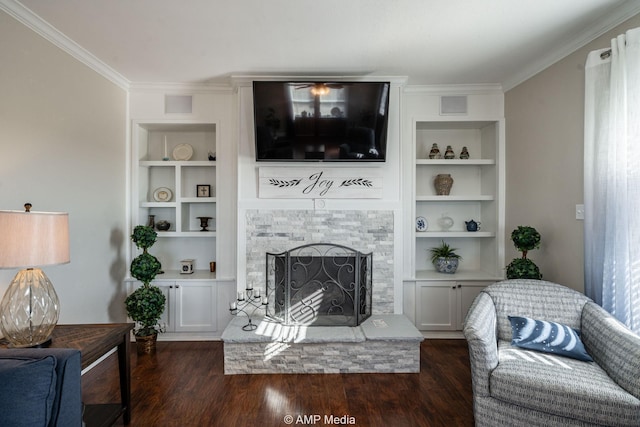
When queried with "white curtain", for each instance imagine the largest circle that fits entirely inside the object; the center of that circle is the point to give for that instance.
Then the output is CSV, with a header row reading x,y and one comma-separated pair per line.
x,y
612,178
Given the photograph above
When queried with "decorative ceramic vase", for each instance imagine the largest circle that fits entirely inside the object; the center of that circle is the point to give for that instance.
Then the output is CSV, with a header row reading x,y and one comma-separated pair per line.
x,y
204,222
446,265
163,225
449,154
435,152
445,222
151,221
443,183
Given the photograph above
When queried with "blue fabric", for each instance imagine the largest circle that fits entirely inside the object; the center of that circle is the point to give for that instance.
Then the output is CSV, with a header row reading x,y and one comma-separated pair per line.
x,y
548,337
67,406
27,390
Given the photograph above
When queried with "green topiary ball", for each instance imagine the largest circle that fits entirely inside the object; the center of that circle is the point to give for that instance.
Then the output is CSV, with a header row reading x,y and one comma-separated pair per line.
x,y
144,236
523,268
145,267
145,306
525,238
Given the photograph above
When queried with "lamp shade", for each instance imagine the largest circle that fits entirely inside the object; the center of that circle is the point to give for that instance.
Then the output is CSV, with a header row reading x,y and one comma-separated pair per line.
x,y
32,239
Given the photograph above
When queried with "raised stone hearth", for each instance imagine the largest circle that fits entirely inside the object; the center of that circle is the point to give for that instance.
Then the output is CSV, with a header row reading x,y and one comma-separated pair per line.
x,y
383,343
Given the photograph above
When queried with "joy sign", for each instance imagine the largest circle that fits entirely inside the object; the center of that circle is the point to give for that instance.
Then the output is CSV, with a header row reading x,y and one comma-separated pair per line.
x,y
294,183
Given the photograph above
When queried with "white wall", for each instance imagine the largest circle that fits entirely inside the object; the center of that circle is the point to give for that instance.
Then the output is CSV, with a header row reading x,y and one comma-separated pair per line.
x,y
62,148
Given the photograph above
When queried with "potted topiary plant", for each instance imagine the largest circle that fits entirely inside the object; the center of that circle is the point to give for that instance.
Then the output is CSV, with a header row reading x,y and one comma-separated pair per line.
x,y
146,304
524,238
444,258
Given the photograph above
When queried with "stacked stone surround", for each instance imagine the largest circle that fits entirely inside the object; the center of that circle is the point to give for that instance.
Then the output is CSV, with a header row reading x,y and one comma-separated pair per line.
x,y
279,230
382,344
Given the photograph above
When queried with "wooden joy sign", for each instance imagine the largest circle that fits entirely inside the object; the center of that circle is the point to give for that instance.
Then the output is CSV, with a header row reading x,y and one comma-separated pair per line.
x,y
314,183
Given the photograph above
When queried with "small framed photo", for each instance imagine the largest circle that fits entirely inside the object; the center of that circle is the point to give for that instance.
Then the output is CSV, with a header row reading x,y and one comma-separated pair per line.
x,y
203,190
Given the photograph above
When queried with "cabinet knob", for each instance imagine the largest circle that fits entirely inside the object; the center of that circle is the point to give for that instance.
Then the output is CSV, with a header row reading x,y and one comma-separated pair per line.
x,y
459,286
453,287
177,286
170,286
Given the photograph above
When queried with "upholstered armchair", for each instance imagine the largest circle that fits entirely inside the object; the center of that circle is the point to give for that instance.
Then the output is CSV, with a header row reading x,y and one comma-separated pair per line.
x,y
521,387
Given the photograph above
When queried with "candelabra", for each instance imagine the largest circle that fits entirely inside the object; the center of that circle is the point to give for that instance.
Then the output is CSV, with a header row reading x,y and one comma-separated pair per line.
x,y
248,302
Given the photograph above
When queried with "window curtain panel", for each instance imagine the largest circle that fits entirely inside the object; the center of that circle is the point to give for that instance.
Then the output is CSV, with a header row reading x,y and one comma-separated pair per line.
x,y
612,178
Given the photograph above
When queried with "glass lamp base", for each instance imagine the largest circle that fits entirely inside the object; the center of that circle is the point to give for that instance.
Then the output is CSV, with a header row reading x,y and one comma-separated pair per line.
x,y
29,309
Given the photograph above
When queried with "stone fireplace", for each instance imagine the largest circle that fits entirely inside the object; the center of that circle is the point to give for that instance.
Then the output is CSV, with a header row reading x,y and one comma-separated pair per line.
x,y
366,231
384,342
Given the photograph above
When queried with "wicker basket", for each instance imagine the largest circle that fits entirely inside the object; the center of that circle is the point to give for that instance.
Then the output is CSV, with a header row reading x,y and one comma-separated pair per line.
x,y
146,344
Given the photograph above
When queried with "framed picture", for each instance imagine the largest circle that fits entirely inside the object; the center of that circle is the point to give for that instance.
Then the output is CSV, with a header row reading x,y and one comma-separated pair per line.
x,y
203,190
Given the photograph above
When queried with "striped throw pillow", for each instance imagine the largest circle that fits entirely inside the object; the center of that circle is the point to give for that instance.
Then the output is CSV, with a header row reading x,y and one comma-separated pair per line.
x,y
548,337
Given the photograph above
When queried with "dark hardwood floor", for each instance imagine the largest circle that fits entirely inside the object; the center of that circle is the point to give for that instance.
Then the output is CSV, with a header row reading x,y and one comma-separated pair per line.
x,y
183,384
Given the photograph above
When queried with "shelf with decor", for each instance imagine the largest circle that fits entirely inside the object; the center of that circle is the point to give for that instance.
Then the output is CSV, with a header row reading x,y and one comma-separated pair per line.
x,y
174,180
453,234
475,196
469,217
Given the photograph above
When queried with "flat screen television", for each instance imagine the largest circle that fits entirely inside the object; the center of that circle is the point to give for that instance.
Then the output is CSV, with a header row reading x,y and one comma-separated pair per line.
x,y
319,121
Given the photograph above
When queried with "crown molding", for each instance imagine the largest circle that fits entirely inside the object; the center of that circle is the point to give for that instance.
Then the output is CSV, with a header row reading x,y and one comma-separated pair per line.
x,y
32,21
180,88
619,15
457,89
247,80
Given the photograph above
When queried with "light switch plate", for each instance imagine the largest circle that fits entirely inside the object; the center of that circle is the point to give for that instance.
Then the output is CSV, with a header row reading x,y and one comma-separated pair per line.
x,y
579,211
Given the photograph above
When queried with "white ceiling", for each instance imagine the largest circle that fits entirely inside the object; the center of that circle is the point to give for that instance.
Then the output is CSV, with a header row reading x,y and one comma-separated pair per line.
x,y
429,41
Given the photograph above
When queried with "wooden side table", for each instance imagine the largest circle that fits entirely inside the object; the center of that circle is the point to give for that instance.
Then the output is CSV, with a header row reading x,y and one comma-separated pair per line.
x,y
94,341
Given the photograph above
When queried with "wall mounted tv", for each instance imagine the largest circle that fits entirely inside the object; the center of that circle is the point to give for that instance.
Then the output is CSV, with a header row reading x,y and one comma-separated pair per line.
x,y
320,121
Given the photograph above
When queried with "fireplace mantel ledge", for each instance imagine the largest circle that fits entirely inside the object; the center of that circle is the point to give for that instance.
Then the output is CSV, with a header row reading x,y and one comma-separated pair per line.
x,y
382,327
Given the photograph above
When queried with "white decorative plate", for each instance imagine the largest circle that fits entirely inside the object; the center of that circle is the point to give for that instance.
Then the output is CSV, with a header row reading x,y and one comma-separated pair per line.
x,y
421,224
162,194
182,152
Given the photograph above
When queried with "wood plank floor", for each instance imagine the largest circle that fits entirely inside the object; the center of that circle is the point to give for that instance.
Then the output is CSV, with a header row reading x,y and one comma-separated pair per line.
x,y
183,385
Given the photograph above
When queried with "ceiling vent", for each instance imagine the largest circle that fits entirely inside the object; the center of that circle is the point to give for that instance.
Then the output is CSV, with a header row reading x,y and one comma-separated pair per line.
x,y
178,104
452,105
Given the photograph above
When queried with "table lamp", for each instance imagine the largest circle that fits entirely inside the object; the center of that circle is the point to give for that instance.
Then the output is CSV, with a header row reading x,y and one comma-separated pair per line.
x,y
30,308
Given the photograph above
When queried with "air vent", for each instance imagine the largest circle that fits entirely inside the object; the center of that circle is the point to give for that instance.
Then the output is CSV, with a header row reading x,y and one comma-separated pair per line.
x,y
178,104
451,105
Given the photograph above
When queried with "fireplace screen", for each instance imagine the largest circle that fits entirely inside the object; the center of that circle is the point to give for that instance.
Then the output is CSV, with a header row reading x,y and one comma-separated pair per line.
x,y
319,285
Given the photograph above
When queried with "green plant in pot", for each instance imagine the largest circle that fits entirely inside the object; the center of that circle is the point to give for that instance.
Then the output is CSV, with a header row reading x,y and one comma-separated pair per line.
x,y
146,304
524,238
444,258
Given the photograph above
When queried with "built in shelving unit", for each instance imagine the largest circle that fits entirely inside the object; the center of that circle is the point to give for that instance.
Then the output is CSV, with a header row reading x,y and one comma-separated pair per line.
x,y
437,302
475,195
181,191
169,189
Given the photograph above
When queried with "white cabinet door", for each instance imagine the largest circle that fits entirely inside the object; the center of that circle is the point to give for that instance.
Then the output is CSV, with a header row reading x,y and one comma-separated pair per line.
x,y
442,305
195,306
436,306
166,320
468,292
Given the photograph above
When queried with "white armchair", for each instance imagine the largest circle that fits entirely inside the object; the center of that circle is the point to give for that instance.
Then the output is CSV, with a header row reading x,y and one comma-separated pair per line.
x,y
518,387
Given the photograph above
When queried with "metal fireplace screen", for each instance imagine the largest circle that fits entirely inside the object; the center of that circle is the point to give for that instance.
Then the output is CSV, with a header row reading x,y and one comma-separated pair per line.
x,y
319,285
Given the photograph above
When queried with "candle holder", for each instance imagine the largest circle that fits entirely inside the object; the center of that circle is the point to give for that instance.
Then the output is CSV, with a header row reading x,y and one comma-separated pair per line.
x,y
248,302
